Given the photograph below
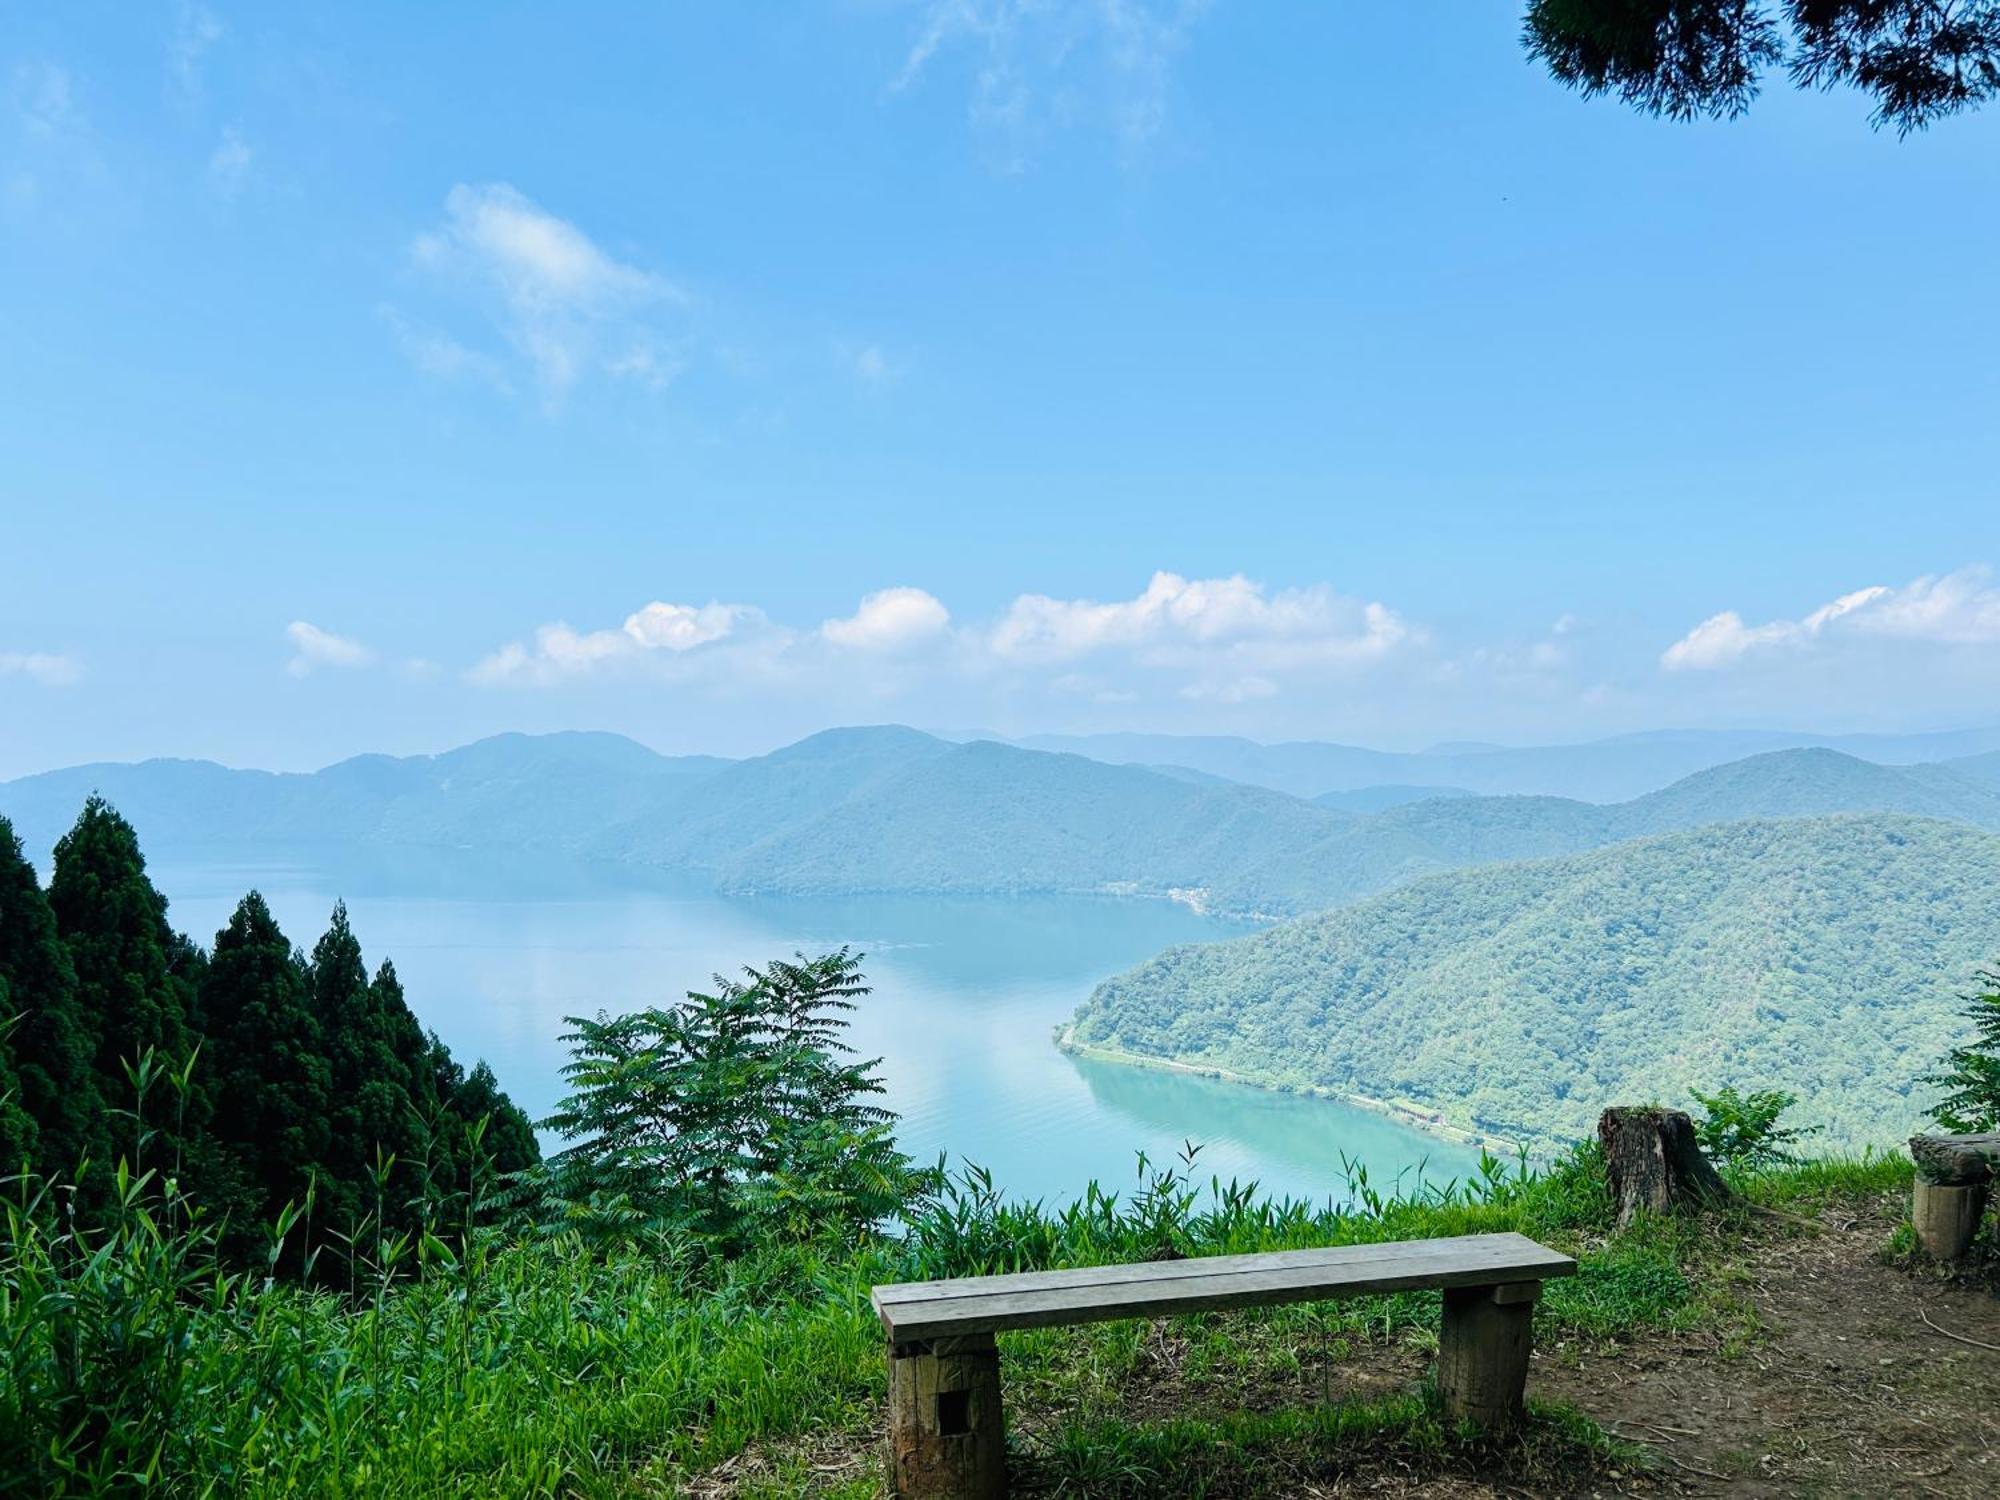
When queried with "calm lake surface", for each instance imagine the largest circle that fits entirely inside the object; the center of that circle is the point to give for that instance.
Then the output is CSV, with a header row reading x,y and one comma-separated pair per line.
x,y
967,995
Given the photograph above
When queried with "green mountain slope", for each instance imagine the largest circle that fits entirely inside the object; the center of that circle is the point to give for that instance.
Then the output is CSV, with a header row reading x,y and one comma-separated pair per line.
x,y
990,817
766,798
1819,955
1599,771
512,791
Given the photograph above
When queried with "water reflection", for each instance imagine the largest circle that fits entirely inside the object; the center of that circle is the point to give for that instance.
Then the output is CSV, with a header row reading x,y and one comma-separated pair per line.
x,y
495,953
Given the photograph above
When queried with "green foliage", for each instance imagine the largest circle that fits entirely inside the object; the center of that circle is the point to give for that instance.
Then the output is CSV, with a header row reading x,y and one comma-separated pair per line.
x,y
57,1116
1814,953
1918,59
135,976
731,1119
294,1081
462,1362
1970,1077
266,1066
1742,1130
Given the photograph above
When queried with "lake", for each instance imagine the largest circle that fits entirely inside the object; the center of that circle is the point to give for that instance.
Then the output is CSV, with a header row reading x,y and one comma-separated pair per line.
x,y
493,954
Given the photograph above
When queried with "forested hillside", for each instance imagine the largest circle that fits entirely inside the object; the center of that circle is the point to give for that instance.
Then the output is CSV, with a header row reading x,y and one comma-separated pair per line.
x,y
510,791
1608,770
892,809
249,1071
1818,955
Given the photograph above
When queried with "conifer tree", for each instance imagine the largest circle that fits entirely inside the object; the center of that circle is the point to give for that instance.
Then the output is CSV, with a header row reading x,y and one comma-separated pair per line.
x,y
134,974
50,1047
266,1066
370,1081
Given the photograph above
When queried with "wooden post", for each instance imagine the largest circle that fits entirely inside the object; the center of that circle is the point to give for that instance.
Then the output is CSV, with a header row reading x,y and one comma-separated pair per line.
x,y
1483,1346
1946,1216
946,1440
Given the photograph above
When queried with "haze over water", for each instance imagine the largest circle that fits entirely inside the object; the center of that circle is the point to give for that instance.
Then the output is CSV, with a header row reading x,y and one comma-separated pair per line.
x,y
967,995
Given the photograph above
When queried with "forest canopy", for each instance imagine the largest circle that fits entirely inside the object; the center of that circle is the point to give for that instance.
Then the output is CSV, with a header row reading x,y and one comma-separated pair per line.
x,y
250,1073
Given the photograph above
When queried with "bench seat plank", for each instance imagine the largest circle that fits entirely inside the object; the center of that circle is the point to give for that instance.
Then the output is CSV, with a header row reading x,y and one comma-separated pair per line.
x,y
915,1311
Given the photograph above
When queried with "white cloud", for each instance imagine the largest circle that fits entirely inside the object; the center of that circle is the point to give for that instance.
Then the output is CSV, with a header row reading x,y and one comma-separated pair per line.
x,y
1180,619
682,627
1223,640
872,365
659,631
1037,68
51,669
564,306
439,354
44,101
1235,690
196,30
1957,609
229,163
51,163
313,648
889,619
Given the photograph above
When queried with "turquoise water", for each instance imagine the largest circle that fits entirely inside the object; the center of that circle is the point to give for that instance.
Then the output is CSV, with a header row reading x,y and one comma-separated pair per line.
x,y
967,994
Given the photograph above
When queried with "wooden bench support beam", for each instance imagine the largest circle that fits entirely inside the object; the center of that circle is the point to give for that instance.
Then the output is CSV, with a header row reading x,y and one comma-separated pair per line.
x,y
1483,1347
1946,1216
946,1439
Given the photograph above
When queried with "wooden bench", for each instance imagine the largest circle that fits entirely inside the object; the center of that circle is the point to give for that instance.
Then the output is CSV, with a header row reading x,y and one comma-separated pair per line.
x,y
945,1431
1953,1177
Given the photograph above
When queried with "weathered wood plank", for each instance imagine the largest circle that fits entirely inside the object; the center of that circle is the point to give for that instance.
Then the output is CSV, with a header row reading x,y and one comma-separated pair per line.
x,y
1479,1249
1956,1159
1165,1288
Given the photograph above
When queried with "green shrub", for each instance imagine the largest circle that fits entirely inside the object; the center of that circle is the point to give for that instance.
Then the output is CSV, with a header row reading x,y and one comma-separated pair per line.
x,y
727,1121
1971,1074
1742,1130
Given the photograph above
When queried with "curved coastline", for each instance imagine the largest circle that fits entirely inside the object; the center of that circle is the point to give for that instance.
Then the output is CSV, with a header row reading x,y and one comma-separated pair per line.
x,y
1428,1121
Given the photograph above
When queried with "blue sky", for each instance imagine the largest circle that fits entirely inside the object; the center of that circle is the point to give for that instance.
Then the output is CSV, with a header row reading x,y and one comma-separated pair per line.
x,y
375,377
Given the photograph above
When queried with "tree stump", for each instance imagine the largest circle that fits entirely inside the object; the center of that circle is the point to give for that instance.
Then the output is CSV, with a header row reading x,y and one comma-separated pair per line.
x,y
1654,1164
946,1441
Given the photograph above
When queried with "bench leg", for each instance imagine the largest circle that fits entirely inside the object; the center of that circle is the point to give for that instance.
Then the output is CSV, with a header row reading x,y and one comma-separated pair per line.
x,y
946,1441
1946,1216
1483,1346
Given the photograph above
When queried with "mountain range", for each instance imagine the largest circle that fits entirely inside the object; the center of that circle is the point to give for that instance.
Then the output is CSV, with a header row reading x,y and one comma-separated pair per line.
x,y
892,809
1609,770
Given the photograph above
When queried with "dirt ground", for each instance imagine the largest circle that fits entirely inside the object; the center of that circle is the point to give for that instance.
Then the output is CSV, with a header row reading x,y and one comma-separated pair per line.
x,y
1868,1379
1850,1375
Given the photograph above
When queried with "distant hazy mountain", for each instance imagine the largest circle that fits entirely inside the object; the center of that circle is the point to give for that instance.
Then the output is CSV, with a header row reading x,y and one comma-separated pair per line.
x,y
1374,799
1599,771
891,809
1819,955
990,817
513,791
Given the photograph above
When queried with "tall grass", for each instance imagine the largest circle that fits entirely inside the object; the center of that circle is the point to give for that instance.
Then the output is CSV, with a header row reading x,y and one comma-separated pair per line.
x,y
461,1359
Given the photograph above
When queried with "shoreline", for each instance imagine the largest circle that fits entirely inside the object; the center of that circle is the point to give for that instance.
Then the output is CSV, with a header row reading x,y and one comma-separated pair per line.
x,y
1428,1122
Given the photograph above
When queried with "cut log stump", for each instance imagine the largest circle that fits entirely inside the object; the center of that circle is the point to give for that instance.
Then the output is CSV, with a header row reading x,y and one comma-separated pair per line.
x,y
1946,1216
1955,1160
946,1441
1954,1177
1655,1164
1483,1347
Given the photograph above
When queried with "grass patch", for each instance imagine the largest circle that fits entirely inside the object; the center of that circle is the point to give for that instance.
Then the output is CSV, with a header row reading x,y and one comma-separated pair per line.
x,y
546,1367
1274,1453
